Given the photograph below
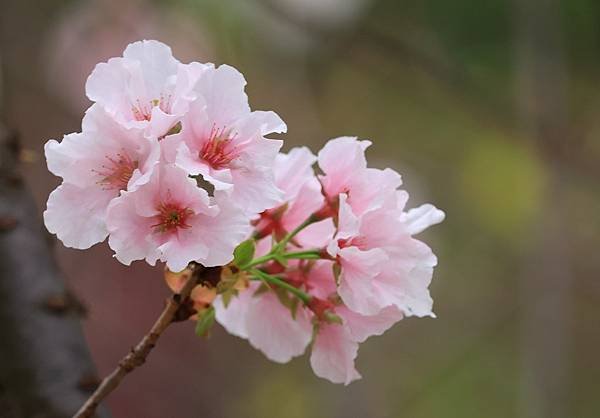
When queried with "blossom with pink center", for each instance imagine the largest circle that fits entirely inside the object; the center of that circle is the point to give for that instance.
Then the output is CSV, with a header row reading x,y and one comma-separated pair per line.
x,y
146,87
96,166
344,165
381,263
171,219
224,142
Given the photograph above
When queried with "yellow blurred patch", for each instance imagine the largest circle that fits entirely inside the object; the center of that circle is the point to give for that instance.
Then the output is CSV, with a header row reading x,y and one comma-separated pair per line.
x,y
502,181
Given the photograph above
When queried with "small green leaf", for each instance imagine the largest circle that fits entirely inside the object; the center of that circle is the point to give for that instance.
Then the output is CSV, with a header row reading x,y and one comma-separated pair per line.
x,y
243,253
205,322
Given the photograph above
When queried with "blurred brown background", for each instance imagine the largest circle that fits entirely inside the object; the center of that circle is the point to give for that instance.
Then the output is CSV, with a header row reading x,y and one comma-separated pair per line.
x,y
489,109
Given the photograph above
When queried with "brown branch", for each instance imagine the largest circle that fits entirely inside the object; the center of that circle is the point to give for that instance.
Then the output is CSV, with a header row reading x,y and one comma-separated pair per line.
x,y
137,356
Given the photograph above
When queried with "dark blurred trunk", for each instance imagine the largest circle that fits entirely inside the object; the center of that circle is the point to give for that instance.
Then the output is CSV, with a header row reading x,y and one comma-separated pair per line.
x,y
547,277
45,366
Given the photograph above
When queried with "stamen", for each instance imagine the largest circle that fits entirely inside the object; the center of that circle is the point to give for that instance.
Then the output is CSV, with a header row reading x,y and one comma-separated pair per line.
x,y
115,175
171,217
143,111
217,150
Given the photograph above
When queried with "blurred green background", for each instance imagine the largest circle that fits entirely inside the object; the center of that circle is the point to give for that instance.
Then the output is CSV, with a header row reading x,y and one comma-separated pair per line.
x,y
489,109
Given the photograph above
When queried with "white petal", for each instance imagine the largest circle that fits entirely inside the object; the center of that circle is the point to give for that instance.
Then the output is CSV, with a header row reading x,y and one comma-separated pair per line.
x,y
421,218
359,268
333,354
234,317
129,231
77,216
223,232
273,330
362,327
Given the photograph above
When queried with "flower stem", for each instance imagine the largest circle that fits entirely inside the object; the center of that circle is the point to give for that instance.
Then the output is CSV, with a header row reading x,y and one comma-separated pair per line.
x,y
298,255
303,255
276,251
310,220
261,275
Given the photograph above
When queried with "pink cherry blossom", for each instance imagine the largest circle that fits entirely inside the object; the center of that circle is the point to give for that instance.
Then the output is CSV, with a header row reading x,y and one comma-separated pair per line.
x,y
302,196
96,165
146,88
172,220
381,263
222,140
344,165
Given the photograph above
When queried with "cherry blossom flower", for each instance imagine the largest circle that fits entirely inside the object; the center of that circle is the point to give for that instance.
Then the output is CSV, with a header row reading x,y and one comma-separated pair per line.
x,y
381,263
222,140
146,88
172,220
302,196
344,165
96,165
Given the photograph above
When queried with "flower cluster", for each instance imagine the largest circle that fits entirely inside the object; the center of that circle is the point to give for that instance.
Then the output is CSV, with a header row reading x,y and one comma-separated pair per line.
x,y
172,165
157,127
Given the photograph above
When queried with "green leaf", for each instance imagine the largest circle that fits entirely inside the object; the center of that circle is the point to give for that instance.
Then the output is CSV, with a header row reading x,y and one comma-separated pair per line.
x,y
205,322
244,253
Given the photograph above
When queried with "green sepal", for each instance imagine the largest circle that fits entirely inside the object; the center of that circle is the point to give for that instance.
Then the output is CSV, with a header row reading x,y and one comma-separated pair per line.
x,y
206,320
332,318
336,273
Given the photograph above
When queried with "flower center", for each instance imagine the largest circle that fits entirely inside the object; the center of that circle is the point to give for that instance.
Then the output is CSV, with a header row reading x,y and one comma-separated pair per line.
x,y
115,174
143,110
217,151
171,217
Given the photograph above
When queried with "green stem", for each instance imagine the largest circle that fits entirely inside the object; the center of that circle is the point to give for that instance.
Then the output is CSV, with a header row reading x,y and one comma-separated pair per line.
x,y
261,275
310,220
277,249
258,261
298,255
303,255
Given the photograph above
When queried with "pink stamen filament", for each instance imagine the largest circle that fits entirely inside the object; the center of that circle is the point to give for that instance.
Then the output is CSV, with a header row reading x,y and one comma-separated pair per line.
x,y
217,150
115,175
143,111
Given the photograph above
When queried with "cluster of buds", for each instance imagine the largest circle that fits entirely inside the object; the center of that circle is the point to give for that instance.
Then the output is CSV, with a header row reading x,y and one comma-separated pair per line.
x,y
173,166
